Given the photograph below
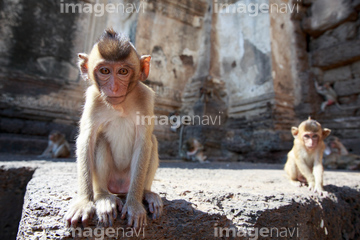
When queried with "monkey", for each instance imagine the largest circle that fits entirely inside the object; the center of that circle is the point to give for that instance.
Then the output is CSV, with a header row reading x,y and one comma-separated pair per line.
x,y
338,157
57,147
194,150
330,97
336,146
304,161
115,154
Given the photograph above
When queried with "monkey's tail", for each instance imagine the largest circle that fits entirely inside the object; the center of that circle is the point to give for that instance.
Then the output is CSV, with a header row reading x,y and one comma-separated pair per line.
x,y
346,108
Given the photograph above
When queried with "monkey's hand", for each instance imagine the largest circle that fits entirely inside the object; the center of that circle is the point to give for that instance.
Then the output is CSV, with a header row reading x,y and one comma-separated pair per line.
x,y
81,209
106,208
155,204
311,186
135,212
320,190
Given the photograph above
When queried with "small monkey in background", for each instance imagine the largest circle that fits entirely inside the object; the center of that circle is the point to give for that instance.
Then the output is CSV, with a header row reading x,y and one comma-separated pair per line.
x,y
330,97
116,155
304,161
338,157
194,150
57,147
335,146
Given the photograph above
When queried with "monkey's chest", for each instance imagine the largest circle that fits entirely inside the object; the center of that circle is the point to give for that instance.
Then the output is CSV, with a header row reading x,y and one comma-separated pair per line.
x,y
120,134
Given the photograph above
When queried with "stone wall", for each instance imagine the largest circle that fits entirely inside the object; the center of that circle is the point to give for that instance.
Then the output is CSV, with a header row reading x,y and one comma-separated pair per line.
x,y
40,85
253,70
328,39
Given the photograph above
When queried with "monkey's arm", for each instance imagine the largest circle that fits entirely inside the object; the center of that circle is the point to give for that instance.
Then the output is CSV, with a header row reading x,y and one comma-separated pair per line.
x,y
139,168
47,152
83,207
85,146
319,89
318,172
305,171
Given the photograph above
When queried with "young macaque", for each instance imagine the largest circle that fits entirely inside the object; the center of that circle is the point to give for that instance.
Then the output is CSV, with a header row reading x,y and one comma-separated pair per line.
x,y
304,161
57,147
116,155
194,150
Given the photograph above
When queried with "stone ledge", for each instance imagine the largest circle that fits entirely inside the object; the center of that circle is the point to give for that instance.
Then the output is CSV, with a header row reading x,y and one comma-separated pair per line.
x,y
202,198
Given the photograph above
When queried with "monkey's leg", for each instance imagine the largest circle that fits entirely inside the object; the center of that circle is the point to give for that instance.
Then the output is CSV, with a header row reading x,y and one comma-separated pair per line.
x,y
292,172
323,106
105,203
306,172
62,151
153,199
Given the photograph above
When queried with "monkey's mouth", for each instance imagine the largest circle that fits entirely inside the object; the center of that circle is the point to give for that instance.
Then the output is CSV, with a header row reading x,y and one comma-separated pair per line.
x,y
115,100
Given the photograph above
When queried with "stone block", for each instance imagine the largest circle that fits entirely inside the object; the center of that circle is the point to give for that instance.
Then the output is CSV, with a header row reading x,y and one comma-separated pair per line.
x,y
344,32
348,87
337,74
355,69
336,56
249,195
327,14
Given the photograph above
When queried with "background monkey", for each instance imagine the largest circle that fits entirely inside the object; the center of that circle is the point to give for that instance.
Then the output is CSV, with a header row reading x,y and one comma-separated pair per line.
x,y
57,147
114,154
304,162
338,157
330,97
194,150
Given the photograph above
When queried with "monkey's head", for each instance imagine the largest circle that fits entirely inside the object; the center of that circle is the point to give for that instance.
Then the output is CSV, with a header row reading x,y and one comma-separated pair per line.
x,y
310,133
114,66
55,136
333,142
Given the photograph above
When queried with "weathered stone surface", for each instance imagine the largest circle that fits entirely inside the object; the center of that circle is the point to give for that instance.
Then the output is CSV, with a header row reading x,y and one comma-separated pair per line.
x,y
202,198
12,190
337,74
355,69
348,87
338,55
327,14
343,33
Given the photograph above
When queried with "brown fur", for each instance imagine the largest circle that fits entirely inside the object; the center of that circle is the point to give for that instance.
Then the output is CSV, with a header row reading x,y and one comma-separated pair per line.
x,y
57,147
114,46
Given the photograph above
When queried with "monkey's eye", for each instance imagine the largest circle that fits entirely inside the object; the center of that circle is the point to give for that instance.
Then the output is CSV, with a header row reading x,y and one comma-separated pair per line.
x,y
315,136
123,71
104,71
306,136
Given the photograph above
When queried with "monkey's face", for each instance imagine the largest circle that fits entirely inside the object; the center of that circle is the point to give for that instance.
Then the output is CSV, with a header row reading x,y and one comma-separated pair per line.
x,y
310,140
310,134
115,79
54,137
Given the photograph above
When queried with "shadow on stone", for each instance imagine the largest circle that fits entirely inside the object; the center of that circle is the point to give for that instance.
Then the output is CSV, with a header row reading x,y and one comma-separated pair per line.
x,y
336,217
179,220
13,186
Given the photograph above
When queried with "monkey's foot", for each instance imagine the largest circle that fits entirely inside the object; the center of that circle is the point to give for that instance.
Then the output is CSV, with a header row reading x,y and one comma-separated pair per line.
x,y
81,209
106,209
135,213
155,204
320,190
296,183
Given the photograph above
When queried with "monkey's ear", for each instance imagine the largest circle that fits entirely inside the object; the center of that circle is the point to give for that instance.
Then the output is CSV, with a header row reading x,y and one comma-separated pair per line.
x,y
294,131
83,65
144,67
326,132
